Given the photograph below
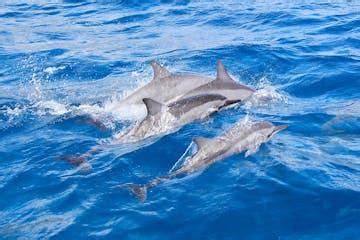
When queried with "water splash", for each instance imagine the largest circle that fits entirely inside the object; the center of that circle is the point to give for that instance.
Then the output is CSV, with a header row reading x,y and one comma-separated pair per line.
x,y
52,70
183,160
42,97
266,95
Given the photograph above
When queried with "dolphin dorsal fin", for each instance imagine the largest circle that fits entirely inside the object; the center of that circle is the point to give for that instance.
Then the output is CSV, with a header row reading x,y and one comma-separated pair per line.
x,y
222,74
153,107
159,71
200,141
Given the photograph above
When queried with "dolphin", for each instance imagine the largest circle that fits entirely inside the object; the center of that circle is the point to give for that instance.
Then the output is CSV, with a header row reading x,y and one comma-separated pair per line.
x,y
163,119
164,87
223,85
242,137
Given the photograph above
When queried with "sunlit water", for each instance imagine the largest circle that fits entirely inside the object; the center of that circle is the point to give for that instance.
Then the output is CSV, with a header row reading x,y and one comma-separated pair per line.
x,y
62,63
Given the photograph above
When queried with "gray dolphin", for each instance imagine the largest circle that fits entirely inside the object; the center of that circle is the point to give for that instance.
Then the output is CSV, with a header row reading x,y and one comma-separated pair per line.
x,y
223,85
242,137
162,119
164,87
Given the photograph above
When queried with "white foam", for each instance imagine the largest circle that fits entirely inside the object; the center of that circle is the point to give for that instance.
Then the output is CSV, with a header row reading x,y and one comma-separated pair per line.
x,y
121,111
15,111
13,114
52,70
51,107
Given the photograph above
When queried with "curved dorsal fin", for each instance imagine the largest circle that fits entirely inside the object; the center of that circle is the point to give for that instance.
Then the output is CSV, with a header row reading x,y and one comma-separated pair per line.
x,y
153,107
200,141
222,74
159,71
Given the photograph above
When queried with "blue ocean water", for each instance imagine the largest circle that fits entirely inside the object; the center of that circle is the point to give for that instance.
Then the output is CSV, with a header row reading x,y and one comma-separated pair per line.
x,y
62,61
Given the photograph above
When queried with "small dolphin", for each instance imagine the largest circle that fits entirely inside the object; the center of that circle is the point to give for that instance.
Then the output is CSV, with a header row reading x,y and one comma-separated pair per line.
x,y
223,85
162,119
242,137
165,87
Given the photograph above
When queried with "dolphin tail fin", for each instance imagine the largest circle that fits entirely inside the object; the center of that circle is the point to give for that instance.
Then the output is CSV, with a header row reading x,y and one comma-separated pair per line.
x,y
77,161
95,122
140,191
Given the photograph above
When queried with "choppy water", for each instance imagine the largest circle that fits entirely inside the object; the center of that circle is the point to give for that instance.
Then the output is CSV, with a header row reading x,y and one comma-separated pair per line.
x,y
63,60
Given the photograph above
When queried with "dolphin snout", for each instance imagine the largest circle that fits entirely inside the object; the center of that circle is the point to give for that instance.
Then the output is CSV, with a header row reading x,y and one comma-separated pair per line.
x,y
280,127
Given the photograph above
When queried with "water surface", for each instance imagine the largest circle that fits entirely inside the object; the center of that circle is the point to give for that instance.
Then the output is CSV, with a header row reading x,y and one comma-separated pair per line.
x,y
63,60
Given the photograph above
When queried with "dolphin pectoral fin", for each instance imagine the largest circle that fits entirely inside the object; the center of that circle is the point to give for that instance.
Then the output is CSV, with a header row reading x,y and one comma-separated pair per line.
x,y
252,150
200,141
140,191
159,71
222,74
153,107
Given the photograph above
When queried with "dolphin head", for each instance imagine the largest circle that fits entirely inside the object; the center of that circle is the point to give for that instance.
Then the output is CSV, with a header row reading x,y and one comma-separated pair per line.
x,y
250,136
266,130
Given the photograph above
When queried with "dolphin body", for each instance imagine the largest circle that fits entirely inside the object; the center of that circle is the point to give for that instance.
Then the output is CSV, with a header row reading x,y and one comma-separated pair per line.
x,y
164,87
242,137
162,119
223,85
